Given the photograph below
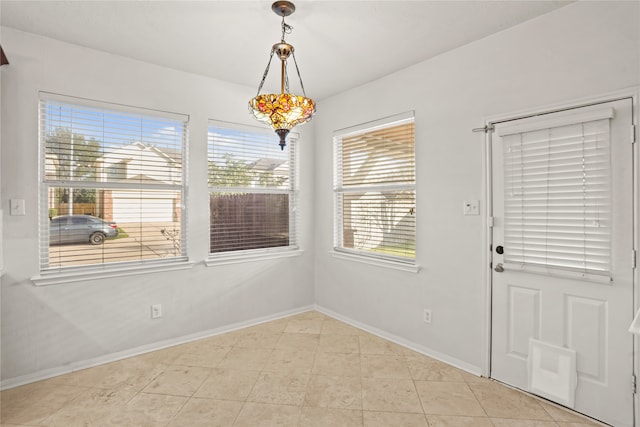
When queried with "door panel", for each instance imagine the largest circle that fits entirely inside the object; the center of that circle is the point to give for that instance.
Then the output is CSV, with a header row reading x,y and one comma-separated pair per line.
x,y
524,319
586,332
565,220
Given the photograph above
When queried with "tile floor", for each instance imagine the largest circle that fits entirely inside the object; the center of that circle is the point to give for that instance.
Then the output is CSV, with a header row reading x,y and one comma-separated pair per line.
x,y
305,370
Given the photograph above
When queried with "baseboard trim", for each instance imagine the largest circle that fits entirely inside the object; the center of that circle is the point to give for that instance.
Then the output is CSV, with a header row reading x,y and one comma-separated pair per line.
x,y
467,367
112,357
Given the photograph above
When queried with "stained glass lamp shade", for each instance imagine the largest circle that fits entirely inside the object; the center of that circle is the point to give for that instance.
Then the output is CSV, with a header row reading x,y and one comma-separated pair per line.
x,y
282,111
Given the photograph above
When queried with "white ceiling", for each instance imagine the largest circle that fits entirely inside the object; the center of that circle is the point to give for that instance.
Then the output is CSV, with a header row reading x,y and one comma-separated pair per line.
x,y
339,44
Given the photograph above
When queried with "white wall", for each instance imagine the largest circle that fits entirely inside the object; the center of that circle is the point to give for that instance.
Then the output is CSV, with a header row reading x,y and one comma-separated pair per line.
x,y
45,328
583,50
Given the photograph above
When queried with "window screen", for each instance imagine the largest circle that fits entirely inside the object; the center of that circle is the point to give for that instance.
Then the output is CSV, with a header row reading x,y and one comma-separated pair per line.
x,y
112,186
557,197
374,189
252,189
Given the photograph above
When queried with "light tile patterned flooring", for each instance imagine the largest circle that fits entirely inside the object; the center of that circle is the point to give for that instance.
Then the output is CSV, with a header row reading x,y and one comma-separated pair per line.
x,y
305,370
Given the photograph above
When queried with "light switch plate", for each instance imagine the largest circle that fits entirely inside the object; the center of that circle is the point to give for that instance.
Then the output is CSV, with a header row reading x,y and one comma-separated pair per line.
x,y
17,207
471,207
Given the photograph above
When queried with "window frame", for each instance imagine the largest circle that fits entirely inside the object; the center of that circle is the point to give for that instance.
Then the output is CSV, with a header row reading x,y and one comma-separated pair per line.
x,y
338,250
243,255
76,273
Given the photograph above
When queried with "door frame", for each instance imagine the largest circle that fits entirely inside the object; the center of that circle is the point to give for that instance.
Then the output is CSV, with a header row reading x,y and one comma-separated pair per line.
x,y
632,93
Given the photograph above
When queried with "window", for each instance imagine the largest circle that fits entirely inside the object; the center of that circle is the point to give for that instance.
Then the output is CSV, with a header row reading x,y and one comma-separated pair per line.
x,y
374,187
252,190
112,186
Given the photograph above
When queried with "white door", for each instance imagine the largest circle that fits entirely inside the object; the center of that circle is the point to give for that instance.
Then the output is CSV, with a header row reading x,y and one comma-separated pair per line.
x,y
562,278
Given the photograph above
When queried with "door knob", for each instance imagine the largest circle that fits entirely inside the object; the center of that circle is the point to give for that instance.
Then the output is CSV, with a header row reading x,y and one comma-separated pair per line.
x,y
499,268
499,250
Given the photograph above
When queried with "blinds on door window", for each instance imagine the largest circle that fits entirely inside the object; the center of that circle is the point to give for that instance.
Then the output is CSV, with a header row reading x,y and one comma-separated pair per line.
x,y
557,195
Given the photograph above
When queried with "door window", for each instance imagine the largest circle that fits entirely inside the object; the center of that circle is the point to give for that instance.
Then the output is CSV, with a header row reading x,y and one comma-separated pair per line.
x,y
557,196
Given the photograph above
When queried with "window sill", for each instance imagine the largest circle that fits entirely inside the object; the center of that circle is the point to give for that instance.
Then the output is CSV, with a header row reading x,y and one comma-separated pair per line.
x,y
80,275
380,262
256,255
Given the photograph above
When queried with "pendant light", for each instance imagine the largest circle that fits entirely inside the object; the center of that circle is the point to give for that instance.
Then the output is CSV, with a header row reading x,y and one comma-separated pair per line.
x,y
284,110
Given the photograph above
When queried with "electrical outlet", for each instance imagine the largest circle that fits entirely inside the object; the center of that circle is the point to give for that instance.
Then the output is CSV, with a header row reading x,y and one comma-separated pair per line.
x,y
156,311
426,316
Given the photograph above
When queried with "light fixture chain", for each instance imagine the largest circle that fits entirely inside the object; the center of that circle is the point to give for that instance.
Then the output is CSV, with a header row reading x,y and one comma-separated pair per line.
x,y
298,71
266,71
286,29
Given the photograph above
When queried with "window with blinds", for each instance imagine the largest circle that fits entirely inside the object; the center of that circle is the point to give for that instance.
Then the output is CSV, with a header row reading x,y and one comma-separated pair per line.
x,y
374,186
252,190
557,197
111,184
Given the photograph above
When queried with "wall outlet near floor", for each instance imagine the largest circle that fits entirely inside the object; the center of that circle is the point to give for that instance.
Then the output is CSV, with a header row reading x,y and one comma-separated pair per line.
x,y
426,316
156,311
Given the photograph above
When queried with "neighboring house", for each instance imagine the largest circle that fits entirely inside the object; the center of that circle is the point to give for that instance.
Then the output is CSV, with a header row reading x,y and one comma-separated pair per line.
x,y
144,170
136,164
140,162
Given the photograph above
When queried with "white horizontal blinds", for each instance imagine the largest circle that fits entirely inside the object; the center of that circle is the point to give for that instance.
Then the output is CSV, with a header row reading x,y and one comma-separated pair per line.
x,y
124,167
380,222
383,156
251,189
557,197
91,144
375,190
